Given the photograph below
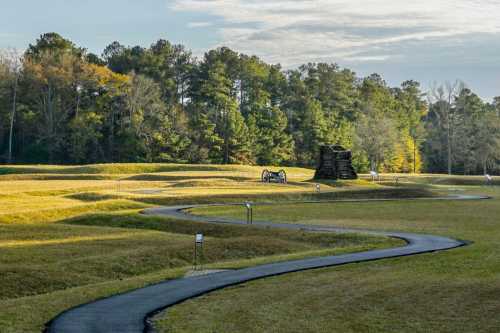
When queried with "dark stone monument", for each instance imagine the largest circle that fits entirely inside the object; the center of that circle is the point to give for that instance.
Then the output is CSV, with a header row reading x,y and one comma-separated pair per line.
x,y
335,162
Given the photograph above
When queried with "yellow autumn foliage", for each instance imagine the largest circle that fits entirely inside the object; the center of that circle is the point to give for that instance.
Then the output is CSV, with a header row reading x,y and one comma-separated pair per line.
x,y
106,78
403,156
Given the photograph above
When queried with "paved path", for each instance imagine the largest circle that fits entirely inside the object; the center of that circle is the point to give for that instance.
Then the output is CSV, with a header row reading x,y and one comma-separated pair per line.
x,y
129,312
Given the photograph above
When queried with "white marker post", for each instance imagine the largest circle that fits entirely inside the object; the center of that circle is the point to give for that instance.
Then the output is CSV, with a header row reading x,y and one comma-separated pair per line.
x,y
249,207
488,179
198,252
374,175
318,188
199,239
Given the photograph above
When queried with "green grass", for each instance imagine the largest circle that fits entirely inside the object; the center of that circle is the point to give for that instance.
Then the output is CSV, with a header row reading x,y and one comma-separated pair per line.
x,y
435,179
70,235
451,291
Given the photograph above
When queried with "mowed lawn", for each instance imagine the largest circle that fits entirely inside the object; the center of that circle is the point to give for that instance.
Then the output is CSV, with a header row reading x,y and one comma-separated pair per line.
x,y
70,235
451,291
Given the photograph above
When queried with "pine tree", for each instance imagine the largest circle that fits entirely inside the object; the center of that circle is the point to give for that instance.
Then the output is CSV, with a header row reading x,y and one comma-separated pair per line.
x,y
273,145
312,133
236,141
206,144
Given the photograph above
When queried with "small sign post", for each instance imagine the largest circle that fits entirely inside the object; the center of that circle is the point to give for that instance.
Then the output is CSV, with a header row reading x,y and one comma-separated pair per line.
x,y
488,179
374,175
249,207
318,188
198,252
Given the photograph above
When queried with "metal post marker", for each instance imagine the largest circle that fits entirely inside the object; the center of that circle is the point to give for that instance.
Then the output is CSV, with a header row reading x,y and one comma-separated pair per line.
x,y
488,179
374,175
248,205
198,252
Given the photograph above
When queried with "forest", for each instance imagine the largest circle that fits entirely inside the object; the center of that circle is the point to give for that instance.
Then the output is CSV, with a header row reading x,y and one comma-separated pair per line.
x,y
61,104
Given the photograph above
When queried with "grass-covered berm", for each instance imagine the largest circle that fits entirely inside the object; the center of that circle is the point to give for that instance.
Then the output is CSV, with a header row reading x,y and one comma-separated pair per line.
x,y
451,291
73,234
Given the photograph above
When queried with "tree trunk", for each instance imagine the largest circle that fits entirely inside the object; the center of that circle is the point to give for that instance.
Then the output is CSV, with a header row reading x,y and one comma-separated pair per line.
x,y
226,139
12,116
182,95
51,122
414,155
449,129
448,143
449,157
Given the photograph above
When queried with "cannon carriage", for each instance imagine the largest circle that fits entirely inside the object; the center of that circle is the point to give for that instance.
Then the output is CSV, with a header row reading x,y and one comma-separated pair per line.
x,y
274,177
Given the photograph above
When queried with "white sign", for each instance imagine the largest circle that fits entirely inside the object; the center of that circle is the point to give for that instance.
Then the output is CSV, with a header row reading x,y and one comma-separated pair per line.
x,y
488,177
249,205
199,238
374,173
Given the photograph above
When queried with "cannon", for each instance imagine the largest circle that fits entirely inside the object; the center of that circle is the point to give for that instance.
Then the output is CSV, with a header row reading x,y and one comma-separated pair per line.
x,y
273,177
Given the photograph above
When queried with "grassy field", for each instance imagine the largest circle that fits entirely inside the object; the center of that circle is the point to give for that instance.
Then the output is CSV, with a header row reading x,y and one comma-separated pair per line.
x,y
69,235
451,291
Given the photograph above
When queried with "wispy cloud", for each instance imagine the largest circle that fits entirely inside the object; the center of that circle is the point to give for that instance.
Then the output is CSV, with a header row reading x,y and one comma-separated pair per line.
x,y
294,31
195,25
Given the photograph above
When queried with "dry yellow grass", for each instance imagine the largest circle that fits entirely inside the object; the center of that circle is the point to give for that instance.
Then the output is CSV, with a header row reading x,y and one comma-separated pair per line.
x,y
67,240
47,265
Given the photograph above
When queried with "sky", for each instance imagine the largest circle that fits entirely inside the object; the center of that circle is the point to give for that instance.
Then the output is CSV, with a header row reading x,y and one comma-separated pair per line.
x,y
426,40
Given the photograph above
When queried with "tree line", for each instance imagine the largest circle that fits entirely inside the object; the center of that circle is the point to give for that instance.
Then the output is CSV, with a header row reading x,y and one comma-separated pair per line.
x,y
62,104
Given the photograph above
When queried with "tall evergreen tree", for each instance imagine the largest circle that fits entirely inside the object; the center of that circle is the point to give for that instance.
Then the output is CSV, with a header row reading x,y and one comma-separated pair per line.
x,y
161,104
272,144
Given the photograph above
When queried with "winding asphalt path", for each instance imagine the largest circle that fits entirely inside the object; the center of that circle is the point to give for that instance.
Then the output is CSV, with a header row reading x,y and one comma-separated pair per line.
x,y
130,312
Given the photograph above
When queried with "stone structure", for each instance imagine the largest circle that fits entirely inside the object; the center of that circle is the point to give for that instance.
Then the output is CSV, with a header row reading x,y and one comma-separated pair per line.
x,y
335,162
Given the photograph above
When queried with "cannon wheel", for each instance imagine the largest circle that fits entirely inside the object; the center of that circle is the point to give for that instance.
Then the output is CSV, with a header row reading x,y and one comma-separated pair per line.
x,y
265,176
282,174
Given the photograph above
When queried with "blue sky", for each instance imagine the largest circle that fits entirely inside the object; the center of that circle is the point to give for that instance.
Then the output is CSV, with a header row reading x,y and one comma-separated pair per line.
x,y
425,40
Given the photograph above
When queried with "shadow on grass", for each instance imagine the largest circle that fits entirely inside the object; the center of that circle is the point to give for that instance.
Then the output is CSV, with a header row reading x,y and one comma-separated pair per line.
x,y
92,196
157,177
263,238
29,176
367,193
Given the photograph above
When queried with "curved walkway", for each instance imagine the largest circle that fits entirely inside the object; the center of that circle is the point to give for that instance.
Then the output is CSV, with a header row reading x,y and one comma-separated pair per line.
x,y
129,312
